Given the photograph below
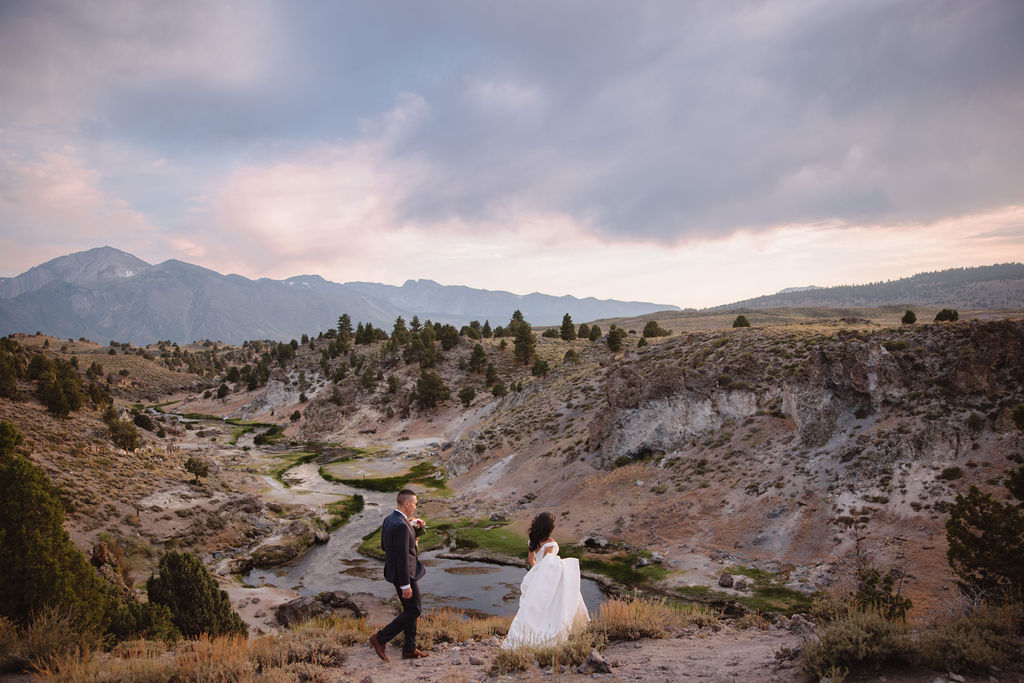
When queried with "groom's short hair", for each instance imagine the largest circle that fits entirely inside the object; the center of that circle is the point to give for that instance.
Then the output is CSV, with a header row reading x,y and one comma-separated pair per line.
x,y
405,494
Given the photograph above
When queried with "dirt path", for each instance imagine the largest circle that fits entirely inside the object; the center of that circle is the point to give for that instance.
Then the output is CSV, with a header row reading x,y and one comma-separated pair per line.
x,y
728,655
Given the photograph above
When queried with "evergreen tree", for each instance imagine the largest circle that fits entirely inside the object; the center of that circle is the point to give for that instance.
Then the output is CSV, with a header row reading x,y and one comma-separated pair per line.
x,y
345,325
39,565
198,606
540,368
486,331
10,371
741,321
653,329
615,337
584,331
525,344
430,390
124,434
986,540
399,332
595,333
466,395
477,359
909,318
568,331
947,315
492,374
448,336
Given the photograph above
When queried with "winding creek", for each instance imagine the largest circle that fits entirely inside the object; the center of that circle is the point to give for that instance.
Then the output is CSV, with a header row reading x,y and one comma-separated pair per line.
x,y
476,587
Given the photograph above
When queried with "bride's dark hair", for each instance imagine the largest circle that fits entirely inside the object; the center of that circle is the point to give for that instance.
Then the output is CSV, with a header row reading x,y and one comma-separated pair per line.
x,y
541,528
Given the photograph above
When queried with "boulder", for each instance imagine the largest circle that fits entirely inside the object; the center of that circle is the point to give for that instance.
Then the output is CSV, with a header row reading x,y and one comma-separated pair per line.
x,y
595,541
300,610
595,664
725,580
801,626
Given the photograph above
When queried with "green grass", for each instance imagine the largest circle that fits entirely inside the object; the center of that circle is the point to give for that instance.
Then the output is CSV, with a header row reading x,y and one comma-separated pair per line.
x,y
343,509
430,540
498,540
766,596
619,568
423,474
201,416
239,422
237,432
291,460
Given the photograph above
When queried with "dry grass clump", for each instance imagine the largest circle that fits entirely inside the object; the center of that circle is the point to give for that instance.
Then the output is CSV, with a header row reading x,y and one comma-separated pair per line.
x,y
51,634
862,638
346,630
985,636
858,638
752,620
618,619
641,618
572,652
448,625
306,653
316,646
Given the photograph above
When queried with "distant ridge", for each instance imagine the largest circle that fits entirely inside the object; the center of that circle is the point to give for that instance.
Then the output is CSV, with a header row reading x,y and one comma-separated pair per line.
x,y
107,294
996,286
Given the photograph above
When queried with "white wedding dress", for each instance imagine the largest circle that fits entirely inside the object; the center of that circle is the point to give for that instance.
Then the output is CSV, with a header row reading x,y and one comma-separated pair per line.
x,y
550,602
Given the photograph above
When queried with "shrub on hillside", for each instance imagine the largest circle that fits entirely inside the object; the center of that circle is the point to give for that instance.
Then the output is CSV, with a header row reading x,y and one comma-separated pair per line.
x,y
40,566
197,605
986,540
947,315
741,321
909,318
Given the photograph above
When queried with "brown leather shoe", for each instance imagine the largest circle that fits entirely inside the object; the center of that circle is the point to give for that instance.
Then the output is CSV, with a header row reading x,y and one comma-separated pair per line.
x,y
415,654
378,647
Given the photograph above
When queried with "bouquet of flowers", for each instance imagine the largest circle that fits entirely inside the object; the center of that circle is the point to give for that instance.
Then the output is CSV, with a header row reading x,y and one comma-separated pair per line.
x,y
418,526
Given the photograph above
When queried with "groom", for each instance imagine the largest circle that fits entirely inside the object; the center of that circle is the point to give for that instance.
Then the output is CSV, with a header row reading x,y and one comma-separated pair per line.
x,y
402,568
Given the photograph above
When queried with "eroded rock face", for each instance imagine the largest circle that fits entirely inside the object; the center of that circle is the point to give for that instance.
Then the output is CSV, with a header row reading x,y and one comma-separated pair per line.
x,y
854,375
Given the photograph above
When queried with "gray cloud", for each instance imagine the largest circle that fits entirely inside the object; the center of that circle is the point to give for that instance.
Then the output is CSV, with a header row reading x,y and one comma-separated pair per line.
x,y
655,120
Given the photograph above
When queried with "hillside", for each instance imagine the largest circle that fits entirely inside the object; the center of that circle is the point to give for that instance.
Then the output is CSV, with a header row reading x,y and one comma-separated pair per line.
x,y
997,286
778,455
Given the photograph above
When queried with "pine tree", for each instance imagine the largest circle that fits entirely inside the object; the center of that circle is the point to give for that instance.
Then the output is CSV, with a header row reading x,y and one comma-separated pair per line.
x,y
39,565
615,337
584,331
986,540
430,390
198,606
595,333
741,321
525,343
909,318
477,359
568,331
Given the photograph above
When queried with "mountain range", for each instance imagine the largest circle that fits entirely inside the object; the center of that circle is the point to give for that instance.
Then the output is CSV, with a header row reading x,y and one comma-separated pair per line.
x,y
999,286
107,294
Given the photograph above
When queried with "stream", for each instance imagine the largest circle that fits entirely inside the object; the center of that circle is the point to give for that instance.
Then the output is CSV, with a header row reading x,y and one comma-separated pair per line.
x,y
476,587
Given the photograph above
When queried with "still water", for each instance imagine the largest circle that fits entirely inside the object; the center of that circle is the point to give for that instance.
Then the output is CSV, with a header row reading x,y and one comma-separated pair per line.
x,y
477,587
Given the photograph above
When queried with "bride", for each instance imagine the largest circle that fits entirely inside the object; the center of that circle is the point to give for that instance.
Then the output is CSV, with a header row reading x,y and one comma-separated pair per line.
x,y
550,602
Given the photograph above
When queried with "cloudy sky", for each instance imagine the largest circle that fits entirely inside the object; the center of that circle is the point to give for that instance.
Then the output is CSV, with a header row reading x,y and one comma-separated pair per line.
x,y
692,153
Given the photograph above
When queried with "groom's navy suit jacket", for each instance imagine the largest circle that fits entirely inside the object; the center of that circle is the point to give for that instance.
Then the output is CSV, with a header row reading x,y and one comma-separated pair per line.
x,y
398,540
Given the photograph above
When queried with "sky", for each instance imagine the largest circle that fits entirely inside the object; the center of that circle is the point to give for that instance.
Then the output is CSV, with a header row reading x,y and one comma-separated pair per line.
x,y
682,152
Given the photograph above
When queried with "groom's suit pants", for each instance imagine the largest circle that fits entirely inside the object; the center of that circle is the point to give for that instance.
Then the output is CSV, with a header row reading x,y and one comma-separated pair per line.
x,y
406,621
